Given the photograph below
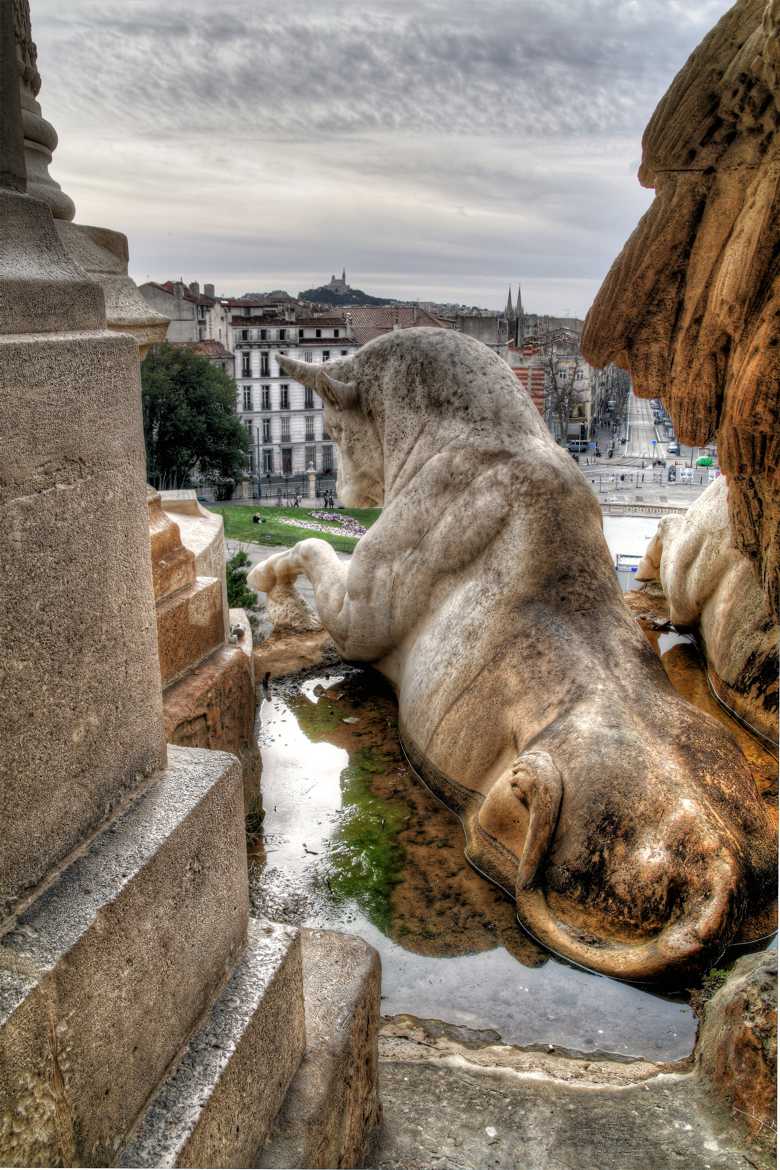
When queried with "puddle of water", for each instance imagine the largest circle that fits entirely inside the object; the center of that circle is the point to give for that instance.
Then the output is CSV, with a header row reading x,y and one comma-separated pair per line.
x,y
668,639
352,841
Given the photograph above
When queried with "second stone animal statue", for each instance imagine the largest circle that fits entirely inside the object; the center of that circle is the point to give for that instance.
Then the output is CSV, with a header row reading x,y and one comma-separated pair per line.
x,y
624,822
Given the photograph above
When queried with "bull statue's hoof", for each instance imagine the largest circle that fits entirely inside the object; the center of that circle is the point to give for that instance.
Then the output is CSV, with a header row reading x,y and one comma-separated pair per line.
x,y
624,822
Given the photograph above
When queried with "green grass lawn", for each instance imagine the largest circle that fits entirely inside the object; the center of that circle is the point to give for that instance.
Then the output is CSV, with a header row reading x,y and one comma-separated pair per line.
x,y
239,525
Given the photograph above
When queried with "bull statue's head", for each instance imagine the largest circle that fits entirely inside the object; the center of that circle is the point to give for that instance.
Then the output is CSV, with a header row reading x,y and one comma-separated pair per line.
x,y
360,482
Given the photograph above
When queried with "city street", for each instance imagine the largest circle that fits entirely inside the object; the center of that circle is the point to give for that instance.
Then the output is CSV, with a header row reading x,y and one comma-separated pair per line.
x,y
641,439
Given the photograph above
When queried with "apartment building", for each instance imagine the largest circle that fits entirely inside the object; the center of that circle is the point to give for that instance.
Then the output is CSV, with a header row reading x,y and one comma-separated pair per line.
x,y
193,315
285,420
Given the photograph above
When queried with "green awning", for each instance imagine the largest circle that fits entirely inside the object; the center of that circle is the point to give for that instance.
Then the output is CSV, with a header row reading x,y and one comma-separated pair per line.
x,y
705,461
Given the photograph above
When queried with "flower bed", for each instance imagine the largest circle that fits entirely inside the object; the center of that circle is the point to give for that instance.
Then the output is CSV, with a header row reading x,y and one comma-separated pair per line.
x,y
337,526
348,524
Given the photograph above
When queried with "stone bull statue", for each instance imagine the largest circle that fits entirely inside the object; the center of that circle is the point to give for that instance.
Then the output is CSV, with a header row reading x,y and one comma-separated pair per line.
x,y
710,585
624,823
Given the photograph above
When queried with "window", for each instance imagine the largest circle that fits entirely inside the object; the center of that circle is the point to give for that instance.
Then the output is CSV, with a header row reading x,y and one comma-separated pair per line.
x,y
268,461
282,334
263,334
325,434
266,430
286,460
311,457
246,365
264,370
300,334
326,355
265,397
308,398
249,428
245,335
327,458
336,333
307,355
343,353
284,398
247,398
286,429
309,428
318,333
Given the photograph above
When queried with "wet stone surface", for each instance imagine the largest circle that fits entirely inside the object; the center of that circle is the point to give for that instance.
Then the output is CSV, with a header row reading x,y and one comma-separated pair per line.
x,y
352,841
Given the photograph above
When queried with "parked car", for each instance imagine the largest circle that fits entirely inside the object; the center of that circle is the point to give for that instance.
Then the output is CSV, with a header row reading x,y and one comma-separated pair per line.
x,y
674,447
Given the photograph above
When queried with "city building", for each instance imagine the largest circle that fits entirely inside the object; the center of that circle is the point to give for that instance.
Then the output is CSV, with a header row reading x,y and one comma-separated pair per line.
x,y
285,420
194,315
526,364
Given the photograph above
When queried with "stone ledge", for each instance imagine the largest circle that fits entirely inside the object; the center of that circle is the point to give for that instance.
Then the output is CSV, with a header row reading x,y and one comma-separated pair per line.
x,y
106,974
190,626
213,706
218,1103
332,1108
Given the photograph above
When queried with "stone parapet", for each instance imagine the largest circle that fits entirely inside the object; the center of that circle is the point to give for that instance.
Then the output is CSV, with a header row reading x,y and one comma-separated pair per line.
x,y
105,976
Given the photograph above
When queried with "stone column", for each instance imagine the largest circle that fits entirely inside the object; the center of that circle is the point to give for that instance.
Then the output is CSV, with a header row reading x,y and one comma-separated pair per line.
x,y
312,474
79,672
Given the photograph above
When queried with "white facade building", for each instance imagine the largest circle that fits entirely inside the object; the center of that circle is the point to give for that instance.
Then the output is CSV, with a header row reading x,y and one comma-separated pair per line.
x,y
285,420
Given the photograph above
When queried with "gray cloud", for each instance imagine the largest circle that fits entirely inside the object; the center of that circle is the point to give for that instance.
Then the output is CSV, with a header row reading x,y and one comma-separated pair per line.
x,y
450,143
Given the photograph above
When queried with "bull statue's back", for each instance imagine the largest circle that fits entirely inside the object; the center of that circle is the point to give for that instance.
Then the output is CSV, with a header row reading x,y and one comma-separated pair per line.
x,y
624,822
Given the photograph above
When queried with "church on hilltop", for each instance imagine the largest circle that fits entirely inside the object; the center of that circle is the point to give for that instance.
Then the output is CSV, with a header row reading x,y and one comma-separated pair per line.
x,y
338,286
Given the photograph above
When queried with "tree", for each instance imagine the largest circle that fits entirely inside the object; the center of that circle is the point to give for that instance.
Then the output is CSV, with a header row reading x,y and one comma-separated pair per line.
x,y
190,420
240,596
562,369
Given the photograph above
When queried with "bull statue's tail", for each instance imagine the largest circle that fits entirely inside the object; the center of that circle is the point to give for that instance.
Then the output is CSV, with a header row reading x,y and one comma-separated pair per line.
x,y
683,947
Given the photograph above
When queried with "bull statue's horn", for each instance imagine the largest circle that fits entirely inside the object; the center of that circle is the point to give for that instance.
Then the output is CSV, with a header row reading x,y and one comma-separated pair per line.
x,y
302,371
342,395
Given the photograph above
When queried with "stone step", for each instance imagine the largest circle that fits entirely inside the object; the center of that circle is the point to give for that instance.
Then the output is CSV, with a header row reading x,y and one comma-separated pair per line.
x,y
190,625
217,1105
105,976
332,1108
213,706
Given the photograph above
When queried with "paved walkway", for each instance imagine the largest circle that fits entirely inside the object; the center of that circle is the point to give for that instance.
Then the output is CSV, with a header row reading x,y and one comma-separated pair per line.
x,y
261,552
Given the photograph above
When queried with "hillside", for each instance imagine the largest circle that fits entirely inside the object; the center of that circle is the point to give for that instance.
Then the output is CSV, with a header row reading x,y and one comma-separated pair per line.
x,y
353,296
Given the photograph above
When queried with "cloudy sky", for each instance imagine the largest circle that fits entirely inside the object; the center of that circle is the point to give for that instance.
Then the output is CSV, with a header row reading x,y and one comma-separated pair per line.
x,y
437,148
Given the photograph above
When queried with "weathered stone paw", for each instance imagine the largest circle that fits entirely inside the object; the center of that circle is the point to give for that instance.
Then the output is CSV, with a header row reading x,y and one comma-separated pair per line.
x,y
280,569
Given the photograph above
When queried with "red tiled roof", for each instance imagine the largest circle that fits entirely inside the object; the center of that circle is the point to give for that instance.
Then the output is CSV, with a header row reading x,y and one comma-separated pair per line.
x,y
370,321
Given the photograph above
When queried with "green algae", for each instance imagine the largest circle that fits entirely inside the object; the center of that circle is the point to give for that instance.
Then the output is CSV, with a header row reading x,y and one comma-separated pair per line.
x,y
316,720
366,858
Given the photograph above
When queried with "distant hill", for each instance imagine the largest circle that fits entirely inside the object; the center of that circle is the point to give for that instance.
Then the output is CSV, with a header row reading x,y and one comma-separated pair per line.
x,y
353,296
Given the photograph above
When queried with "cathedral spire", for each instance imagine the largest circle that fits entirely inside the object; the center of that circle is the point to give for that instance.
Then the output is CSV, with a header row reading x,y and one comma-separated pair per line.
x,y
520,317
510,310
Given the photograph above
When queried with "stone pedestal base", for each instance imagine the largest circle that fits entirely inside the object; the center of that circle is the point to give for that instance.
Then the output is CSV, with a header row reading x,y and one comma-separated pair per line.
x,y
105,976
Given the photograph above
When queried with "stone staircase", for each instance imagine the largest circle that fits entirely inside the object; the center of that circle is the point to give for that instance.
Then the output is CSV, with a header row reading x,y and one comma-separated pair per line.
x,y
146,1020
